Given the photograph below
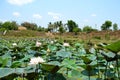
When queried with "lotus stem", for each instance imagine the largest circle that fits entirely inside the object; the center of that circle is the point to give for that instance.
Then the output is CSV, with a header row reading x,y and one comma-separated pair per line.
x,y
106,70
89,74
117,69
98,64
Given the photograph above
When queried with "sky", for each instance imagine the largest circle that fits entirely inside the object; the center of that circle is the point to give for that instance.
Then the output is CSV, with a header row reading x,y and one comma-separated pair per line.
x,y
84,12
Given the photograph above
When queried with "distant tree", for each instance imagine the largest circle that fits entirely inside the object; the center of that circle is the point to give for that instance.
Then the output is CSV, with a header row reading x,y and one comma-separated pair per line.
x,y
50,27
87,29
56,26
14,25
71,25
106,25
1,28
7,25
61,29
29,26
1,24
10,25
41,29
115,26
76,30
94,29
103,27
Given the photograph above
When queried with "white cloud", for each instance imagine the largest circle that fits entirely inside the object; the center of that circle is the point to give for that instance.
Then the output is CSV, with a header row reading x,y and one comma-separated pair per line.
x,y
19,2
86,20
16,14
37,16
1,20
94,15
55,16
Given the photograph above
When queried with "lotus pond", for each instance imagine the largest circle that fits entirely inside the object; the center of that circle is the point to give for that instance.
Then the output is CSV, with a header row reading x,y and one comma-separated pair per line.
x,y
48,59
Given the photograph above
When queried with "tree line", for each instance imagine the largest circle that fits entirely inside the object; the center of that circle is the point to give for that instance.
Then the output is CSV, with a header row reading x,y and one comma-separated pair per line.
x,y
58,26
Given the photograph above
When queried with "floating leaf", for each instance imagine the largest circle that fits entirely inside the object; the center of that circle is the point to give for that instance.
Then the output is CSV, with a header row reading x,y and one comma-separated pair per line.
x,y
52,47
16,64
5,72
114,47
77,45
52,67
4,62
62,53
76,74
88,59
110,56
69,64
56,76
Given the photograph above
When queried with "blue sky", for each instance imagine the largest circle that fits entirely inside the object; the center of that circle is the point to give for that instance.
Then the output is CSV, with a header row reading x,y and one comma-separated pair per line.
x,y
83,12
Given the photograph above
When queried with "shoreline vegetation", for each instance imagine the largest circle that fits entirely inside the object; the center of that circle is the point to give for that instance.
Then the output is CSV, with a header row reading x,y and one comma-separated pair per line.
x,y
94,36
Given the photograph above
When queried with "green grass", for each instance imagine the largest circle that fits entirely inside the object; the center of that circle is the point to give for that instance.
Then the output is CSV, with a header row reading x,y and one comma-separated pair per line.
x,y
94,37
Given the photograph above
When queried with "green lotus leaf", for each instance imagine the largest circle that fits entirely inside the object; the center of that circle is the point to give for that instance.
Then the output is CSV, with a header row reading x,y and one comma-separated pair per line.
x,y
76,74
77,45
63,54
69,64
52,67
52,47
16,64
5,72
114,47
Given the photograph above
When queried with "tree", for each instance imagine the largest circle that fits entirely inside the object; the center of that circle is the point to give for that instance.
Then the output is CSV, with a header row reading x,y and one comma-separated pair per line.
x,y
115,26
103,27
7,25
1,24
10,25
50,27
106,25
87,29
56,26
76,30
71,25
29,26
41,29
61,30
14,25
60,26
1,28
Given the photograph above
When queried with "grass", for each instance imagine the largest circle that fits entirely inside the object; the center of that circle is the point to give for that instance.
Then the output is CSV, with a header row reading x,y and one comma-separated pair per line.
x,y
94,37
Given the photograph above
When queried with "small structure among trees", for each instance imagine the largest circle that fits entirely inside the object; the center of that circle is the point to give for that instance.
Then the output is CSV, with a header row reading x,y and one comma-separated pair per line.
x,y
22,28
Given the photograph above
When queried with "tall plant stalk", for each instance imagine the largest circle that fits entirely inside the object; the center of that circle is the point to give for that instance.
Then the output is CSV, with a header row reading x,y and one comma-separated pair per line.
x,y
117,64
106,70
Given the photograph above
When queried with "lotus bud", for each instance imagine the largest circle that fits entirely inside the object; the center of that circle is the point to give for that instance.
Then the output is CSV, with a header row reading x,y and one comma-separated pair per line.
x,y
51,42
111,66
66,44
14,44
38,44
48,50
